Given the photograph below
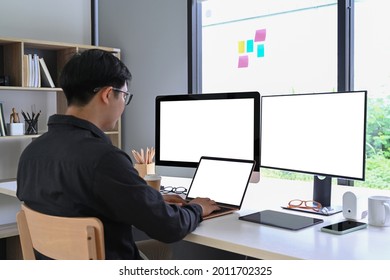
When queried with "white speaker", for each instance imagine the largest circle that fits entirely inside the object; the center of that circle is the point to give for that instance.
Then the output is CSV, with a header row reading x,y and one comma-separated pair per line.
x,y
354,207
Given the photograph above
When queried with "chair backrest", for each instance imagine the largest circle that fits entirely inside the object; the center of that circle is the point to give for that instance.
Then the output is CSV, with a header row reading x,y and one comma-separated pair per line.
x,y
60,238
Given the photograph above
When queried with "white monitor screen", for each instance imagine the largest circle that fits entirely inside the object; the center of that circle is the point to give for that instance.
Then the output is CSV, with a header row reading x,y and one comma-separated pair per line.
x,y
320,134
217,125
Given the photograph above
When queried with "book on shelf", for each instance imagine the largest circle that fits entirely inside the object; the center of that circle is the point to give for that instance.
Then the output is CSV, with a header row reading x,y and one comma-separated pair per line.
x,y
30,66
37,72
26,70
31,70
46,79
3,128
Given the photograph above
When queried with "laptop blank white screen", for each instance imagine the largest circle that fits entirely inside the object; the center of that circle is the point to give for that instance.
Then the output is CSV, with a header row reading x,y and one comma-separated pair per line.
x,y
223,181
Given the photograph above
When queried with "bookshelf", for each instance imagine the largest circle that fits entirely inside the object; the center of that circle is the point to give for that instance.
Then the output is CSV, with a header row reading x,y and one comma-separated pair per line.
x,y
17,94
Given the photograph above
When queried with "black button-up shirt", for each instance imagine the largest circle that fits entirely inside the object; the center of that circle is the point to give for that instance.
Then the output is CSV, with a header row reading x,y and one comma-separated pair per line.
x,y
73,170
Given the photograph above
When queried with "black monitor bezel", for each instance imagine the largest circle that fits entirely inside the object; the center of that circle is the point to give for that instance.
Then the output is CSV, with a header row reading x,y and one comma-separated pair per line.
x,y
208,96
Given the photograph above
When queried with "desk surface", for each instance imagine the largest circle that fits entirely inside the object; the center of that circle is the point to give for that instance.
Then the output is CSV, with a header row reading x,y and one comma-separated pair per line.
x,y
9,206
8,188
266,242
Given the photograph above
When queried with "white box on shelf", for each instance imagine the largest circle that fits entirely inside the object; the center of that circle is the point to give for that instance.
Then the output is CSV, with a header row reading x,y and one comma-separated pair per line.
x,y
16,129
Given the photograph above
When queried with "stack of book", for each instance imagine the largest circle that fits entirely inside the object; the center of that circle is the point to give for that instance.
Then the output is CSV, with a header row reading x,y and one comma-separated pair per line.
x,y
36,73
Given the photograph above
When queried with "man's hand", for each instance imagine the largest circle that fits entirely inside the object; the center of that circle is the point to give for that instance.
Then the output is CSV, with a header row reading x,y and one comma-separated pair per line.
x,y
174,199
208,205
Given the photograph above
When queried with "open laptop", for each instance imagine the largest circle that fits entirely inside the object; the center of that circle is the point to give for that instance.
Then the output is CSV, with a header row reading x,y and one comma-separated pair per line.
x,y
224,180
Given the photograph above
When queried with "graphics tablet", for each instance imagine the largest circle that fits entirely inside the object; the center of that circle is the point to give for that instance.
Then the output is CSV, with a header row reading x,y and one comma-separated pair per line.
x,y
281,220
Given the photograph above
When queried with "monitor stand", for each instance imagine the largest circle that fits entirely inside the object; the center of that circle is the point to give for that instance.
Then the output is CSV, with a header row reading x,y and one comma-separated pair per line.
x,y
322,193
322,190
255,177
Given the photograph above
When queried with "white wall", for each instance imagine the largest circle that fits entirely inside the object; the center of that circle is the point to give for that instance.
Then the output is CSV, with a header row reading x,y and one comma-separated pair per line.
x,y
51,20
152,36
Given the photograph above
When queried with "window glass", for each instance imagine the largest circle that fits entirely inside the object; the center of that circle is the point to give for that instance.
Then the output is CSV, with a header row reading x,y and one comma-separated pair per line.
x,y
372,59
271,46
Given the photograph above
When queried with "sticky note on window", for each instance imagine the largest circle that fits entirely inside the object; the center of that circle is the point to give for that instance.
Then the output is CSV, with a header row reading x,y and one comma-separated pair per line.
x,y
249,46
243,61
241,46
260,35
260,50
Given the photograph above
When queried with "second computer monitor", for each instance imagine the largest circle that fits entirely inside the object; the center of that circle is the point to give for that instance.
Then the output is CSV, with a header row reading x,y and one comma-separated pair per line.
x,y
319,134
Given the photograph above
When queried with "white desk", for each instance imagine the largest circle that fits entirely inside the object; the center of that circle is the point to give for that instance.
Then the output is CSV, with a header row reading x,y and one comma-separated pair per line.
x,y
266,242
8,188
9,206
261,241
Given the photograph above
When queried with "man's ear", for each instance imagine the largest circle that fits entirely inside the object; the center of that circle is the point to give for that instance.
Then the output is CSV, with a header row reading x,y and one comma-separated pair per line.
x,y
104,94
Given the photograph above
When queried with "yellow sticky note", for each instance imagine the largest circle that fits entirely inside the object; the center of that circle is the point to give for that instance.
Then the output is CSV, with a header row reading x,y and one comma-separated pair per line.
x,y
241,46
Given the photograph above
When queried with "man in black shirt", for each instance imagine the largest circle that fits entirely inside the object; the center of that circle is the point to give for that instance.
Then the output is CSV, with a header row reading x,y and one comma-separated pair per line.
x,y
73,170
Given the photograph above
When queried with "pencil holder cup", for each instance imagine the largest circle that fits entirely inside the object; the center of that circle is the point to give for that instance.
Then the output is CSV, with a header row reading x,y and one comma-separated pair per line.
x,y
31,127
144,168
16,129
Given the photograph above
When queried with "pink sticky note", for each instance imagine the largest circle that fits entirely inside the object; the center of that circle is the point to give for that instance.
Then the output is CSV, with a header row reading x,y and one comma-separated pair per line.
x,y
260,35
243,61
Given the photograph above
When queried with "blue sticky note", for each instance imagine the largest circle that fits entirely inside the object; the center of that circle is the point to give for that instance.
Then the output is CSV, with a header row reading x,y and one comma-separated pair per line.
x,y
249,45
260,50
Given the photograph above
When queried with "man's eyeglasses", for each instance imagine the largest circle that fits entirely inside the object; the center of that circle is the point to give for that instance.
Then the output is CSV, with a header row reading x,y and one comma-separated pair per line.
x,y
305,204
176,190
127,96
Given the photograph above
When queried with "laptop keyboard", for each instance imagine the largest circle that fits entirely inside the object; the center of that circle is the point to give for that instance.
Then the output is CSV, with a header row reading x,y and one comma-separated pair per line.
x,y
182,191
221,210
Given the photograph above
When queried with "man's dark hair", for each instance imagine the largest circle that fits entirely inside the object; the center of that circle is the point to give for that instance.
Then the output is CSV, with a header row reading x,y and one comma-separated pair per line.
x,y
89,70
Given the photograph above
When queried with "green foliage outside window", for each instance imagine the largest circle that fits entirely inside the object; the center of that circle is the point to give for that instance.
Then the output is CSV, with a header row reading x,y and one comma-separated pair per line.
x,y
378,128
377,144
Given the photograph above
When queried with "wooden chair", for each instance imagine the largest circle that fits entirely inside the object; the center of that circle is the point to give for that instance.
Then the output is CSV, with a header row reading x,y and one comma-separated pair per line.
x,y
60,238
